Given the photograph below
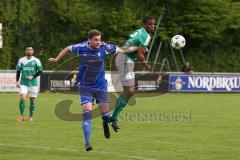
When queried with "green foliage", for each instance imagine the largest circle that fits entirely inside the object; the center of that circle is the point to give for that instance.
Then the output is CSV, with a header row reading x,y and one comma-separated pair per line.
x,y
211,28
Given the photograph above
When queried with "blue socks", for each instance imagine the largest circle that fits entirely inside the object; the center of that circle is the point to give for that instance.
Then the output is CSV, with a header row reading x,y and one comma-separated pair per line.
x,y
87,125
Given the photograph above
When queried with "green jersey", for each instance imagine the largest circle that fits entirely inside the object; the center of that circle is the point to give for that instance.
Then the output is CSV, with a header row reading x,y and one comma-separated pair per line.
x,y
29,67
139,38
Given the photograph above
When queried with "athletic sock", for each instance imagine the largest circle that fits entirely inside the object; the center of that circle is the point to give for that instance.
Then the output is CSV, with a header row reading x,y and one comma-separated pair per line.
x,y
120,104
31,109
22,107
87,125
106,117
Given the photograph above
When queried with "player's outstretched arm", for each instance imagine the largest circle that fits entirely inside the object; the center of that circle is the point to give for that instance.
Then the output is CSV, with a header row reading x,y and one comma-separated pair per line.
x,y
126,49
140,55
60,55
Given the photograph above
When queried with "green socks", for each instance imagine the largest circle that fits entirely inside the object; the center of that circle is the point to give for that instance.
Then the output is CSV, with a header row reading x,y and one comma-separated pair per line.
x,y
121,103
22,107
31,109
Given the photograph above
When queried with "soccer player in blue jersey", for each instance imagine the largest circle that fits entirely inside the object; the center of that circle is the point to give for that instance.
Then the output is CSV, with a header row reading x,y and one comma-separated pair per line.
x,y
91,78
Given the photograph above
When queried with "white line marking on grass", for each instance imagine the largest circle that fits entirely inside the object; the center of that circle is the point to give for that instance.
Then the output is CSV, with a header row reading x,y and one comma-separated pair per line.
x,y
75,150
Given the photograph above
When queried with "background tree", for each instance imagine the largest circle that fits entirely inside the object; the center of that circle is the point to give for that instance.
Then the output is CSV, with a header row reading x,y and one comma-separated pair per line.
x,y
211,28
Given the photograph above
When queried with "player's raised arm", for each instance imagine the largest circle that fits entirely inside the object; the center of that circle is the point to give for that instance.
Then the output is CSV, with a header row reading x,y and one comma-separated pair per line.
x,y
61,54
126,49
140,55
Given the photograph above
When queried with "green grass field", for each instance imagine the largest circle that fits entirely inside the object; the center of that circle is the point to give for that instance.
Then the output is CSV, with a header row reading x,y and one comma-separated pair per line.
x,y
195,126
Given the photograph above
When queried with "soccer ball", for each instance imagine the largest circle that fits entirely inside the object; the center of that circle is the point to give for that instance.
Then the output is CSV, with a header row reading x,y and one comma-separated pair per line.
x,y
178,42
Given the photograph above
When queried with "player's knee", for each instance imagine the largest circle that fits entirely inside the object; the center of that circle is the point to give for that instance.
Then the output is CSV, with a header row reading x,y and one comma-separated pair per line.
x,y
23,98
132,91
129,94
32,101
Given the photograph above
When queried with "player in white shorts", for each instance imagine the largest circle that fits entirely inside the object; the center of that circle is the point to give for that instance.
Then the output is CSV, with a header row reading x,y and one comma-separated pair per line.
x,y
125,65
29,67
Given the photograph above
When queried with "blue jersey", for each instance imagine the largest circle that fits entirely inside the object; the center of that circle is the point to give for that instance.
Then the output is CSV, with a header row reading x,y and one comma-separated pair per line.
x,y
91,70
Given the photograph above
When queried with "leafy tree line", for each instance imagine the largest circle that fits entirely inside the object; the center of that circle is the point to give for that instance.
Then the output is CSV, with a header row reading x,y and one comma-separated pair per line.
x,y
211,28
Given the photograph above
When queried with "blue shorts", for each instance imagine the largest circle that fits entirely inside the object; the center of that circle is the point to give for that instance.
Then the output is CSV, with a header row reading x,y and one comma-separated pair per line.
x,y
88,94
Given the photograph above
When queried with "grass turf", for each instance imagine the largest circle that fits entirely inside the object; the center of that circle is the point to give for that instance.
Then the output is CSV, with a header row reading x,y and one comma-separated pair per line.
x,y
169,127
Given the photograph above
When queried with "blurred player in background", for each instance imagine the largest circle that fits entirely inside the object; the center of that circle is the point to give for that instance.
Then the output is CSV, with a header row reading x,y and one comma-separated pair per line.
x,y
187,68
29,67
74,80
91,78
125,65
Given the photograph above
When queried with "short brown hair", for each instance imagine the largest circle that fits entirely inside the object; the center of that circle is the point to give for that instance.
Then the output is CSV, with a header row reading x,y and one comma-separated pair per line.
x,y
28,45
93,32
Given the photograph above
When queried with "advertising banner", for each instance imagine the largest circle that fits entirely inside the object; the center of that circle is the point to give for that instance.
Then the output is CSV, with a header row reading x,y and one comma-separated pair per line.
x,y
63,81
8,82
204,83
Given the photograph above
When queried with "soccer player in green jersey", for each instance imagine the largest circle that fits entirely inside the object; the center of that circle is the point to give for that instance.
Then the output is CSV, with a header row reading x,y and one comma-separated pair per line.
x,y
125,65
29,67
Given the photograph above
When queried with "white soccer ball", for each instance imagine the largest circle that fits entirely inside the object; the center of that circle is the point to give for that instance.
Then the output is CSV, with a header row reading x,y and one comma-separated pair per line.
x,y
178,42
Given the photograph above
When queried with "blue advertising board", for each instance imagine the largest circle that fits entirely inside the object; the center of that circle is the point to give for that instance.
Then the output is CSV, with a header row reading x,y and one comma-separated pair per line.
x,y
204,83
